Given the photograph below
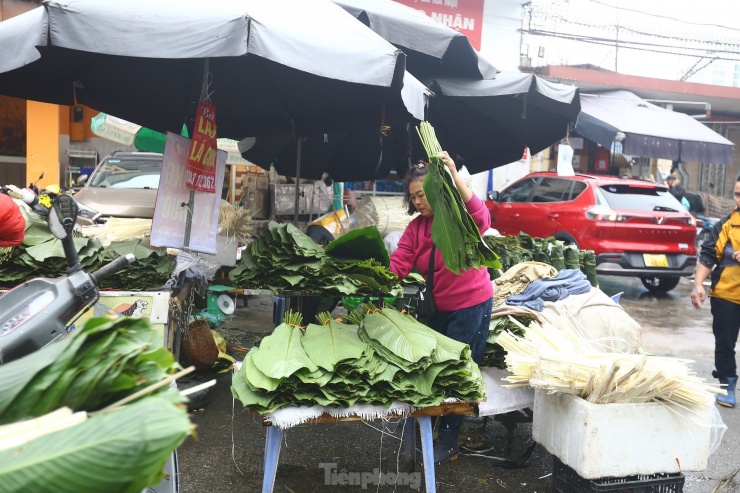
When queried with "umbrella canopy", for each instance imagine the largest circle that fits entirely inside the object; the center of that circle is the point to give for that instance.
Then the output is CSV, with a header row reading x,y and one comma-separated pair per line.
x,y
143,61
649,130
432,49
488,123
482,123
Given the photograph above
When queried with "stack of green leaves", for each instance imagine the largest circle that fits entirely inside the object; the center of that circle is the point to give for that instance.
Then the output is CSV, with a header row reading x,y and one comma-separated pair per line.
x,y
494,355
284,259
134,442
152,268
453,230
41,255
95,366
388,357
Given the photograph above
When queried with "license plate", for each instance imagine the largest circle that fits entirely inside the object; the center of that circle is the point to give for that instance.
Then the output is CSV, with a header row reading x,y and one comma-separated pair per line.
x,y
655,260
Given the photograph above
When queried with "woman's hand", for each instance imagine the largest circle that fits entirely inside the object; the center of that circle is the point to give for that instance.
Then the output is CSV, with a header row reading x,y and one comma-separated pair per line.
x,y
448,162
698,295
465,192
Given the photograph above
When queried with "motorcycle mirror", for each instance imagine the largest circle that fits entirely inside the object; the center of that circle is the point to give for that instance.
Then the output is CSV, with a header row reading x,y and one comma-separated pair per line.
x,y
62,217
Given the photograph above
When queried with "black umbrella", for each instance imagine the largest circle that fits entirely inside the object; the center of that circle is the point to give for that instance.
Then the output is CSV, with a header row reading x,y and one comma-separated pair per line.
x,y
432,49
488,123
141,60
482,123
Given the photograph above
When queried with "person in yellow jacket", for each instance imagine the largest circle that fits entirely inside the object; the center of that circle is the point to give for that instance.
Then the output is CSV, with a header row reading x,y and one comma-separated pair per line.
x,y
720,259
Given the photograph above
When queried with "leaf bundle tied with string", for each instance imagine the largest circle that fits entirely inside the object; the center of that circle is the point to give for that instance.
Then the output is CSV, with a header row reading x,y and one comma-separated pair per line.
x,y
453,230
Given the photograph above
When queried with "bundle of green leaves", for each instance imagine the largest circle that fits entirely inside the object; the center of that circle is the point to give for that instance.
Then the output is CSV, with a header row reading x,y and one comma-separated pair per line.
x,y
135,441
512,250
284,259
454,232
494,355
388,357
87,371
93,367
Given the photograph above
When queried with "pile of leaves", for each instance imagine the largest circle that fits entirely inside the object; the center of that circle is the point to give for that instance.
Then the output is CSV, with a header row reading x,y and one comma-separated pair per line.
x,y
512,250
494,355
454,232
387,356
41,255
152,268
91,369
95,366
284,259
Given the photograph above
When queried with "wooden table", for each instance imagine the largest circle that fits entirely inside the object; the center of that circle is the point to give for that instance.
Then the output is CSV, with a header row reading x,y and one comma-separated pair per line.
x,y
274,438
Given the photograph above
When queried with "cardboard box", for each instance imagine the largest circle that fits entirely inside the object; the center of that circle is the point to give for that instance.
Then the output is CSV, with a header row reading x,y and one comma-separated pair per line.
x,y
617,440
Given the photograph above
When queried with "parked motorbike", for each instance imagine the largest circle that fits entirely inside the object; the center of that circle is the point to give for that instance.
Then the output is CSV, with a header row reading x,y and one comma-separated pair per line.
x,y
38,200
38,312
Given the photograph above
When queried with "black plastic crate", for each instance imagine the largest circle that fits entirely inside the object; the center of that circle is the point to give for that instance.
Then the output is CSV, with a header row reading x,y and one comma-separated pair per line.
x,y
566,480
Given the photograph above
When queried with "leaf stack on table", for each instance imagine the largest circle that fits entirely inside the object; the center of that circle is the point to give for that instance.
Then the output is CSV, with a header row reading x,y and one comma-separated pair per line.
x,y
41,255
382,357
284,259
64,424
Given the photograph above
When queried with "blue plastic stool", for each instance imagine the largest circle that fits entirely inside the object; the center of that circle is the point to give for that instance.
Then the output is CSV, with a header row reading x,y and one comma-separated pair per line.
x,y
275,436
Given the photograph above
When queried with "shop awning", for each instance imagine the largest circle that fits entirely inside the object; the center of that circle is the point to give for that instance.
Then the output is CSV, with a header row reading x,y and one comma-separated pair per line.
x,y
648,130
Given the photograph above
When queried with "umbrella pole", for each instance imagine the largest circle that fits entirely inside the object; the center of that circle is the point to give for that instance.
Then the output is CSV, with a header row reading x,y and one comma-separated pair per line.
x,y
297,180
191,199
189,220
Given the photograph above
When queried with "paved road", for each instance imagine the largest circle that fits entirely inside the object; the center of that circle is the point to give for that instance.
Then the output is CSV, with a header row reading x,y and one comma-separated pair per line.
x,y
227,456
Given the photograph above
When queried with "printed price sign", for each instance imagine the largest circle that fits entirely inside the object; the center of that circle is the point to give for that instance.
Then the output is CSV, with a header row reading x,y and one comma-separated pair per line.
x,y
201,172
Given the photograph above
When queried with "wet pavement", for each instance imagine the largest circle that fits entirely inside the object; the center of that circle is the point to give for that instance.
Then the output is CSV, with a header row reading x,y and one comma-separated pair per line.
x,y
227,454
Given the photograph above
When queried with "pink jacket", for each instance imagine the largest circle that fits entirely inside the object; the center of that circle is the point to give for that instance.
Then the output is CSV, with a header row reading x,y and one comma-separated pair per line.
x,y
451,291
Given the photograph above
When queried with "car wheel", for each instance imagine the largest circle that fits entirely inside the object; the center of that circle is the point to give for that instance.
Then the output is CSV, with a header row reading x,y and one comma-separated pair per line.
x,y
566,239
658,284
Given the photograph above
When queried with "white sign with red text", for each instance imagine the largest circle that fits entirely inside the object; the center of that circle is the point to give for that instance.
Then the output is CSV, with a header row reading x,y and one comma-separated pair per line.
x,y
170,215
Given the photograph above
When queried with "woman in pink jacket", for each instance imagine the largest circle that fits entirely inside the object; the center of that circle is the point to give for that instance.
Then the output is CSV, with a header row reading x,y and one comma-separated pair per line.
x,y
462,301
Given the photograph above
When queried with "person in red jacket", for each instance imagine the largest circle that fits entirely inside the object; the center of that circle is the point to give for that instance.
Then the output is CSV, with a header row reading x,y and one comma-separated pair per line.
x,y
12,223
462,301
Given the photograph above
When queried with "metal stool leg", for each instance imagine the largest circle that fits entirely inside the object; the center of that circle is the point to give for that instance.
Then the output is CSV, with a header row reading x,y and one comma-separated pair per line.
x,y
409,443
272,454
427,447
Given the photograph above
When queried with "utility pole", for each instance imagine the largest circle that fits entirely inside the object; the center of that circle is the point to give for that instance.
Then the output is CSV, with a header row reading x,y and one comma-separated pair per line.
x,y
616,43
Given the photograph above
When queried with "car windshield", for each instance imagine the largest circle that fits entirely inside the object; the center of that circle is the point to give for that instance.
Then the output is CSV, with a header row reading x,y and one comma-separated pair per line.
x,y
127,173
640,198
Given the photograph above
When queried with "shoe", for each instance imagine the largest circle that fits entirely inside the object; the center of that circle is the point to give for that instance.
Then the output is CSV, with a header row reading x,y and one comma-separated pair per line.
x,y
446,447
729,399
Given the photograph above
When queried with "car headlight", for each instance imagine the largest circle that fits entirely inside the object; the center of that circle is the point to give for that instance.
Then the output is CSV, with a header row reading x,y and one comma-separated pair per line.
x,y
87,212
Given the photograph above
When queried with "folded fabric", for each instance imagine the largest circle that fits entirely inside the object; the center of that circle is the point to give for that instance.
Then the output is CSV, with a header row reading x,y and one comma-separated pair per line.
x,y
516,279
567,282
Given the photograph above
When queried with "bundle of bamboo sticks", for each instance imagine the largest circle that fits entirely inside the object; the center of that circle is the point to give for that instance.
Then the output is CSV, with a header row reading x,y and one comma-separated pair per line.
x,y
562,359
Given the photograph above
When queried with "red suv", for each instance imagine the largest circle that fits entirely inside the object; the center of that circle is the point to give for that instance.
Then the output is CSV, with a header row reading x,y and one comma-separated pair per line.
x,y
635,227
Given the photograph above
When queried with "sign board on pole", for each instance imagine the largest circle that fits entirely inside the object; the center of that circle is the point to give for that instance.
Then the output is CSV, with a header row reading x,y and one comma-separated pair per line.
x,y
170,215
